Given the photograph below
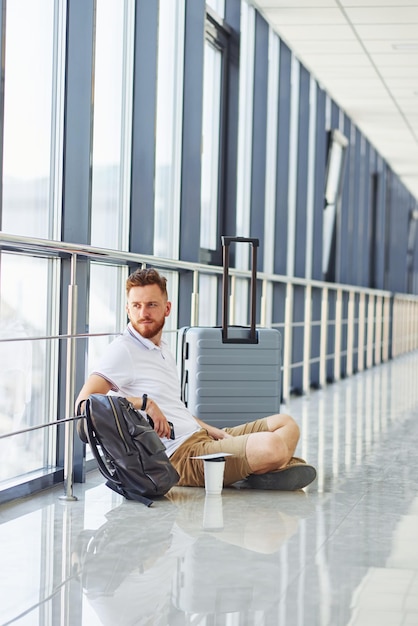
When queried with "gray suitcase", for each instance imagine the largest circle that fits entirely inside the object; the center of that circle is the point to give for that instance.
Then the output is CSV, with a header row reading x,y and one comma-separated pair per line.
x,y
231,374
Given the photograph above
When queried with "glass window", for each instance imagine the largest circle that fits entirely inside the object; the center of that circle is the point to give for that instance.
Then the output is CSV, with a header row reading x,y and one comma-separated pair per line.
x,y
33,87
271,165
28,366
168,128
113,84
218,6
208,298
215,89
210,147
106,307
245,125
271,150
246,86
112,132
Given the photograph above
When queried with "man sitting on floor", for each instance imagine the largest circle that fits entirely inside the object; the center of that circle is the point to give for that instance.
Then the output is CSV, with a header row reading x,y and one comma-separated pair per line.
x,y
139,366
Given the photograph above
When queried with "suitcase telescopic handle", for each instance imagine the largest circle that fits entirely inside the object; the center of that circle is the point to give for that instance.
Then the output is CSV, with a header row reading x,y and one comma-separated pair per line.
x,y
226,241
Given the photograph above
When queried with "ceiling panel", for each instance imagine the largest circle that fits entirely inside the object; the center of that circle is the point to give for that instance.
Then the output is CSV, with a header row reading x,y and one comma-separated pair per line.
x,y
374,3
382,15
324,46
391,32
309,16
385,46
350,46
320,32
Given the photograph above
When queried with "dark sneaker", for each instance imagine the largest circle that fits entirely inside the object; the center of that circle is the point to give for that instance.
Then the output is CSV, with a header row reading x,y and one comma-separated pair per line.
x,y
296,475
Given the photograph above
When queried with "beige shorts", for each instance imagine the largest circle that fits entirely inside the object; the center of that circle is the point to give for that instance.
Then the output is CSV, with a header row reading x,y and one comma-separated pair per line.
x,y
236,467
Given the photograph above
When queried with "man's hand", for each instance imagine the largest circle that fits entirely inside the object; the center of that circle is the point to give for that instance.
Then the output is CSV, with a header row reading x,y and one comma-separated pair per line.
x,y
161,425
215,433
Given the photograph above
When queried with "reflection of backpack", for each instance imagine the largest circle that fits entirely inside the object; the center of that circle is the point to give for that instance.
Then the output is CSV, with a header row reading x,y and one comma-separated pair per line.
x,y
105,557
129,453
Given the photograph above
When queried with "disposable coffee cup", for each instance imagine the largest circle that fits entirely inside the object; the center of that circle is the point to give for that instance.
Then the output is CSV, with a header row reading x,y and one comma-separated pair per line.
x,y
214,475
214,467
213,518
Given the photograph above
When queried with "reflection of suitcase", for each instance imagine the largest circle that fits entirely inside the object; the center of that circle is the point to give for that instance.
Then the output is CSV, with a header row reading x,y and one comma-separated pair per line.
x,y
231,375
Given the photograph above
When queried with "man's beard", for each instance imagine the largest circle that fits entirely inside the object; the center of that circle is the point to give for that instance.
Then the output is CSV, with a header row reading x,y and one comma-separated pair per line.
x,y
149,331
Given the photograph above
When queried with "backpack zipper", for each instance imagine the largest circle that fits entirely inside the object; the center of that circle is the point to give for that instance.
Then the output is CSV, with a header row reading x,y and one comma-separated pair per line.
x,y
118,426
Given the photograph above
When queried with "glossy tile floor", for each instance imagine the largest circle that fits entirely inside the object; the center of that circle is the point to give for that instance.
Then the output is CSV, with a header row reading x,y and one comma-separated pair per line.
x,y
344,552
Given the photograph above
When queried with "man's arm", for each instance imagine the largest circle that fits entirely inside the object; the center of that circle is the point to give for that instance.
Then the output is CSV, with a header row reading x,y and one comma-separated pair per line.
x,y
98,384
94,384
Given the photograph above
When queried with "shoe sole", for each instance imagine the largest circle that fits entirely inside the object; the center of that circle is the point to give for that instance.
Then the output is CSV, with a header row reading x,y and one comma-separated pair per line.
x,y
290,479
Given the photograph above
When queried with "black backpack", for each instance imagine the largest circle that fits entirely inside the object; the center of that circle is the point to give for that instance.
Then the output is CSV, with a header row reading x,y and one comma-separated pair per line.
x,y
129,453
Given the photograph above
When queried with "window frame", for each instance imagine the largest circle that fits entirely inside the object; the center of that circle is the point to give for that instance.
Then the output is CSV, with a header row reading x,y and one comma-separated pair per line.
x,y
218,35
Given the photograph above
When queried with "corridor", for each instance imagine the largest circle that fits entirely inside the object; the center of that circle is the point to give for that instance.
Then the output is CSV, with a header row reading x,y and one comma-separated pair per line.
x,y
344,552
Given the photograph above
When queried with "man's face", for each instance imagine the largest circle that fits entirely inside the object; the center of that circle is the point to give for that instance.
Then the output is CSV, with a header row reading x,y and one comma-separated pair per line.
x,y
147,309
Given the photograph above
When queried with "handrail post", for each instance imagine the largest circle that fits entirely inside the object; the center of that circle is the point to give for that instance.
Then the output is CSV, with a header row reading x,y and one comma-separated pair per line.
x,y
323,338
361,329
307,339
350,333
194,313
287,352
370,330
338,334
378,331
386,329
263,305
69,387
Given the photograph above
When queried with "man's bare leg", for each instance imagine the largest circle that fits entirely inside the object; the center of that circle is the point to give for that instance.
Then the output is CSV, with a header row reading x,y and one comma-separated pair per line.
x,y
270,454
270,451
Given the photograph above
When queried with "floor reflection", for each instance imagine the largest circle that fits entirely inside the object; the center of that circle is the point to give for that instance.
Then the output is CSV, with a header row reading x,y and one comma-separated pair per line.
x,y
341,553
199,556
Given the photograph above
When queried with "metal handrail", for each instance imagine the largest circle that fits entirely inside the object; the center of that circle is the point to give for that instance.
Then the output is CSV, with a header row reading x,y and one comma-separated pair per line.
x,y
378,305
16,243
29,429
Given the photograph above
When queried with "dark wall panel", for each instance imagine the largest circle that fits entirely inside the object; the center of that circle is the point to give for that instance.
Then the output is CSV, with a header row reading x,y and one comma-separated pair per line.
x,y
143,128
302,173
300,234
191,152
192,130
282,174
76,200
319,188
78,113
232,17
380,225
343,218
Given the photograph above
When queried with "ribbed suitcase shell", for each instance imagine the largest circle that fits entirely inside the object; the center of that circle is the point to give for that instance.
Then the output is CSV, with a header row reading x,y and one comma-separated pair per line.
x,y
229,384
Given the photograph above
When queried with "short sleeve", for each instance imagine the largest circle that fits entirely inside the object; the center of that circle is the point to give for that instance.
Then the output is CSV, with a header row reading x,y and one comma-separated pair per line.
x,y
115,365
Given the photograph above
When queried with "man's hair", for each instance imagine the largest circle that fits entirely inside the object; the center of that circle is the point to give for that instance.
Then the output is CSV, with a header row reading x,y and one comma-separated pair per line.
x,y
143,277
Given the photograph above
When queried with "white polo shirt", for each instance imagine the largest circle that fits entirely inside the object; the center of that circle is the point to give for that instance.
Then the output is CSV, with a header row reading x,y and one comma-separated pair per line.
x,y
134,366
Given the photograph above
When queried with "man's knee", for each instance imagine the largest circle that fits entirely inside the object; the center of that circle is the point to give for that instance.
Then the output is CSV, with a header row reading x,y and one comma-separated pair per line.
x,y
266,452
276,450
281,420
